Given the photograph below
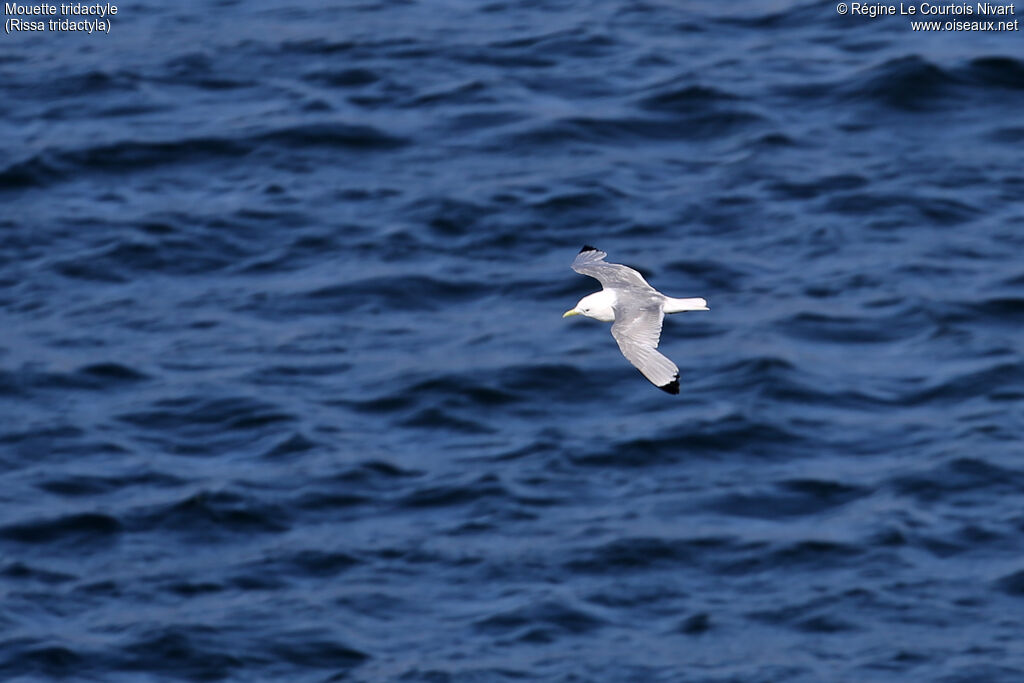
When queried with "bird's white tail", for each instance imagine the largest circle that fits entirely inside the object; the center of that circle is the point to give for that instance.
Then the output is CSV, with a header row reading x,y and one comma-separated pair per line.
x,y
679,305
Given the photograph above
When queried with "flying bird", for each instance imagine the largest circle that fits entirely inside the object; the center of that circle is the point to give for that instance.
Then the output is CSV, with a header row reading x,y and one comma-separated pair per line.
x,y
635,310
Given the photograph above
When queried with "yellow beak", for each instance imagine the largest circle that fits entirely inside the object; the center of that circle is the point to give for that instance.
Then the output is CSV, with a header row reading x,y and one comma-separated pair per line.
x,y
572,311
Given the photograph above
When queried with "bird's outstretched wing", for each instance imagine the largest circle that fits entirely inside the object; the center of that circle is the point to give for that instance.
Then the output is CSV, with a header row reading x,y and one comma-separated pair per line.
x,y
637,329
590,261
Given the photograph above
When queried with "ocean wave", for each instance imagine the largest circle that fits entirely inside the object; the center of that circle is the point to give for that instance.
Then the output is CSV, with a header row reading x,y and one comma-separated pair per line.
x,y
996,70
631,130
820,615
908,83
93,377
686,97
734,434
205,426
434,418
914,207
209,516
424,292
188,650
171,255
196,412
56,164
39,657
343,78
959,477
76,529
641,552
919,85
541,622
849,329
795,497
86,485
484,488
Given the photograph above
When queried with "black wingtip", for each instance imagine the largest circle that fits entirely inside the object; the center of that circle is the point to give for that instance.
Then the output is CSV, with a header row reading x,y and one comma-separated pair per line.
x,y
587,247
672,387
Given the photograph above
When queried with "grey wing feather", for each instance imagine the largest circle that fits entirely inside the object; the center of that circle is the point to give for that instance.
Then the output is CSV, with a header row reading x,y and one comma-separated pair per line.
x,y
637,330
610,275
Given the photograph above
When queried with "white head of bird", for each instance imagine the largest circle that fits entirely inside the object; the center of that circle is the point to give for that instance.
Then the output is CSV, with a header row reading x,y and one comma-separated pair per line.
x,y
597,306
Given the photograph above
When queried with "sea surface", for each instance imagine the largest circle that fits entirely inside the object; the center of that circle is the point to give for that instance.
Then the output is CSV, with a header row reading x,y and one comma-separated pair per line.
x,y
286,394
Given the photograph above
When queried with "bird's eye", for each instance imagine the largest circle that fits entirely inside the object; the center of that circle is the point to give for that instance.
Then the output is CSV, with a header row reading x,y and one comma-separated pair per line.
x,y
586,310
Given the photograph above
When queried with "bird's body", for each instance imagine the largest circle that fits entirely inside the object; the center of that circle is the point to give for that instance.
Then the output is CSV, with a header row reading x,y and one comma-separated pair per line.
x,y
635,310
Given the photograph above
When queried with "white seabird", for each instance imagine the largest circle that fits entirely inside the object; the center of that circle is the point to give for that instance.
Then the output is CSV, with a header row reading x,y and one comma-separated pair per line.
x,y
635,310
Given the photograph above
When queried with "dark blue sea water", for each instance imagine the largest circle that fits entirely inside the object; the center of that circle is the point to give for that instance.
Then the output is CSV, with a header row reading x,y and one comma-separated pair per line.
x,y
286,394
